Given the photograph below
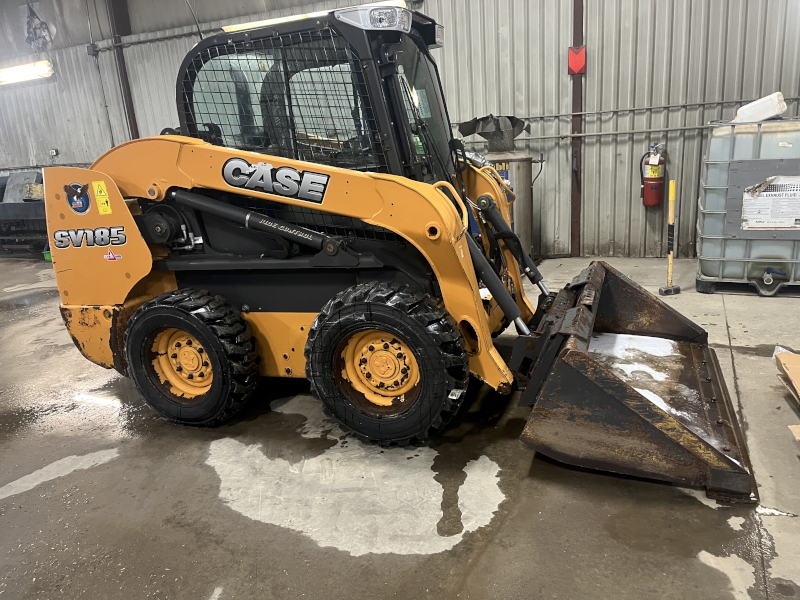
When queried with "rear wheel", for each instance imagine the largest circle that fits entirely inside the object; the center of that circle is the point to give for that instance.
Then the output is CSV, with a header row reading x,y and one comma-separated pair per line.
x,y
192,357
387,362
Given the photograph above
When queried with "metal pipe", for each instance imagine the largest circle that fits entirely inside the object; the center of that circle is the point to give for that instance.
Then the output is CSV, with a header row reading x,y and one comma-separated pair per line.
x,y
250,219
605,133
94,53
643,108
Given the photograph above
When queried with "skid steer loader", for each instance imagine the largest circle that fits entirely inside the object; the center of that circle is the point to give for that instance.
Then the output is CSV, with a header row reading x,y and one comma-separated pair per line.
x,y
310,218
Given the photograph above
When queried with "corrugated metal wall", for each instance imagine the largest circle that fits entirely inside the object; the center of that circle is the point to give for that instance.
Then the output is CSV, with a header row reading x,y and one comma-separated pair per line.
x,y
692,55
500,57
66,114
509,57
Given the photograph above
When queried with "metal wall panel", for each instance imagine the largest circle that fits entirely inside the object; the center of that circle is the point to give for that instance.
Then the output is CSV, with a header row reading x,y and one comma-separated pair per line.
x,y
153,69
153,60
508,57
501,57
674,52
64,113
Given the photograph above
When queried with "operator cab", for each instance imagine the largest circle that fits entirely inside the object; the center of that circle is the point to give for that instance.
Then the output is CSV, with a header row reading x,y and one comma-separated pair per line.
x,y
355,88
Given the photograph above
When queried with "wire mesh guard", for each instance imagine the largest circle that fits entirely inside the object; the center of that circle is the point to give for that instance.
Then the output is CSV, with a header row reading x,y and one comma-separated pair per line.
x,y
300,96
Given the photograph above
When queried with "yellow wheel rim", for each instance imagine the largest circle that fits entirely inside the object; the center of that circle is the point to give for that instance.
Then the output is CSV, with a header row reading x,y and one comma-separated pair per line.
x,y
380,366
182,363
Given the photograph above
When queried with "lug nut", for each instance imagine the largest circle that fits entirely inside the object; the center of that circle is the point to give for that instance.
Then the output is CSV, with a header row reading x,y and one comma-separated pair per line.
x,y
179,368
404,370
369,375
173,356
177,344
205,363
190,376
188,342
381,385
201,374
399,355
371,348
363,361
395,383
386,346
200,350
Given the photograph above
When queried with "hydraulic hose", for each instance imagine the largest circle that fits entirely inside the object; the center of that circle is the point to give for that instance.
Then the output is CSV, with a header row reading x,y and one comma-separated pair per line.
x,y
489,209
495,286
641,175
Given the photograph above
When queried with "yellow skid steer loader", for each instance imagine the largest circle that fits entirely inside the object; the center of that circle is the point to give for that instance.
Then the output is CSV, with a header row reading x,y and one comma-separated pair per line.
x,y
311,218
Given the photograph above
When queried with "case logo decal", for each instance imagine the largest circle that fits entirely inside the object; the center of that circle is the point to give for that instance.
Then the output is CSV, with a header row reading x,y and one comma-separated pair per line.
x,y
111,256
78,197
101,197
102,236
286,181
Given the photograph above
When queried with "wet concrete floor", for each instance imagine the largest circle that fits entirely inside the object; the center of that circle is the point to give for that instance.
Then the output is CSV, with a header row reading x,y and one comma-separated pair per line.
x,y
99,498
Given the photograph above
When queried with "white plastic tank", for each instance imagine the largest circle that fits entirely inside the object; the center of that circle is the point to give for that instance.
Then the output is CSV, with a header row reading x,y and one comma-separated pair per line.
x,y
730,249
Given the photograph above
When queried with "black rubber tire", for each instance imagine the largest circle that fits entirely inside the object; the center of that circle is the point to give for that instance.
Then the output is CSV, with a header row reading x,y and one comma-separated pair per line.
x,y
427,329
228,343
705,287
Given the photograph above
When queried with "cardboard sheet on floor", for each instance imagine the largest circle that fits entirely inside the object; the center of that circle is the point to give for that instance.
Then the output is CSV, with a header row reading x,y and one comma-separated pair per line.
x,y
789,366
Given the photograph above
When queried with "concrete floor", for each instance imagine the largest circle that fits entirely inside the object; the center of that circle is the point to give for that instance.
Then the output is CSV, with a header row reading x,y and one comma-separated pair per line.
x,y
99,498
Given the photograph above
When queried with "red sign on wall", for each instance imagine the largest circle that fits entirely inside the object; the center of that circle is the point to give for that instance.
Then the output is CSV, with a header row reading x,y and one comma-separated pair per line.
x,y
576,60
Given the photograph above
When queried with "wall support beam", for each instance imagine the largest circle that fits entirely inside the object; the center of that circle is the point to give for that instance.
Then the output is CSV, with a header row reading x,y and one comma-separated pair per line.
x,y
577,143
121,25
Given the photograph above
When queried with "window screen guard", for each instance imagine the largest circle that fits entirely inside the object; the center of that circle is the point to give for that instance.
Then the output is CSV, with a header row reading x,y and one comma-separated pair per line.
x,y
300,96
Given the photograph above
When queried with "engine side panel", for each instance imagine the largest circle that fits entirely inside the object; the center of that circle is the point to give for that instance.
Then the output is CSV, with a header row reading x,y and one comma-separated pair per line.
x,y
98,252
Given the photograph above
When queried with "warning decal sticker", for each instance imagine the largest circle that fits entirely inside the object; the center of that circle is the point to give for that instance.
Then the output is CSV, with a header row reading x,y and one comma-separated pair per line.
x,y
772,204
101,197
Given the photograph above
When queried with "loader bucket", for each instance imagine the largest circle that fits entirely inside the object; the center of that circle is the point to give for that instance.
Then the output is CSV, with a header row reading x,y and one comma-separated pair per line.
x,y
619,381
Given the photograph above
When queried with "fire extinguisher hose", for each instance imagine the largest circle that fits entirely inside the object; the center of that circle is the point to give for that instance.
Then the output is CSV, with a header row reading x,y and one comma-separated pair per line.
x,y
641,175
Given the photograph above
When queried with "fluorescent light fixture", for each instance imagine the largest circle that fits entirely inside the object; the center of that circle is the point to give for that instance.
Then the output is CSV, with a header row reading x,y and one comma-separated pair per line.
x,y
36,70
312,15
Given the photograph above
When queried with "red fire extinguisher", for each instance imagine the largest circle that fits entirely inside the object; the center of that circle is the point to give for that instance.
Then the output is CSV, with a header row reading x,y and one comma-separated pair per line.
x,y
651,171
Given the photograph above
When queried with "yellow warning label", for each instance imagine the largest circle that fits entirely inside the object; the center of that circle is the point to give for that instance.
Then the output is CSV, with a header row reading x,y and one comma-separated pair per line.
x,y
101,197
653,170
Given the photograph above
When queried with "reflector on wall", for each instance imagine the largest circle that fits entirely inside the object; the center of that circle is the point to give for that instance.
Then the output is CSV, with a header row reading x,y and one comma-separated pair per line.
x,y
576,63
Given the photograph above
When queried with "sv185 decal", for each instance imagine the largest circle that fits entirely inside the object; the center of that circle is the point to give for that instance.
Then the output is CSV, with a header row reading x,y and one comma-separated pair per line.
x,y
102,236
285,181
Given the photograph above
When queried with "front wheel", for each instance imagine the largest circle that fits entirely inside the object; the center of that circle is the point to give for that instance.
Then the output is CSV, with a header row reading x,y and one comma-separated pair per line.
x,y
387,362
